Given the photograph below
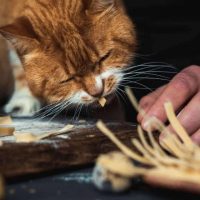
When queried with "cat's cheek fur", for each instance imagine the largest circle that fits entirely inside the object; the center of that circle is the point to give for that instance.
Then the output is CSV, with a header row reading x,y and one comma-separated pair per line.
x,y
113,78
22,104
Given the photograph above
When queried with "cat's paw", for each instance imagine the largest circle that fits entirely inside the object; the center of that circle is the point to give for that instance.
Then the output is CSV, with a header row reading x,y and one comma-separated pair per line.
x,y
22,104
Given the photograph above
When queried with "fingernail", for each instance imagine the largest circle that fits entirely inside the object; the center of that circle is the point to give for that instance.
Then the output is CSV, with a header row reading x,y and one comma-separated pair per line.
x,y
140,117
145,125
149,124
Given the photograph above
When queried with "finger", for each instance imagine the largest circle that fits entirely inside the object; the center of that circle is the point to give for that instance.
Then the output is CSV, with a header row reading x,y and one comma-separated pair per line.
x,y
147,101
189,117
196,137
178,92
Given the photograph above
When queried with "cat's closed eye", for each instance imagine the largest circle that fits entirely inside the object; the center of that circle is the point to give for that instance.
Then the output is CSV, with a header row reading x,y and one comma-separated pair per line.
x,y
67,80
105,57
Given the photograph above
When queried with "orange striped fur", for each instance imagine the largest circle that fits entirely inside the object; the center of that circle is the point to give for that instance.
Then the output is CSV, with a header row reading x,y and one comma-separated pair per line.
x,y
70,47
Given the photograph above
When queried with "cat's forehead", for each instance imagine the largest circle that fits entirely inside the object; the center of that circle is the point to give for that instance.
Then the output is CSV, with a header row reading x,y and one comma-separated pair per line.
x,y
68,21
73,14
81,32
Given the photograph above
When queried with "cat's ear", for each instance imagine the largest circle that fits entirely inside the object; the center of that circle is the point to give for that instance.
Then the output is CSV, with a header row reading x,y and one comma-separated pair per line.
x,y
98,6
21,35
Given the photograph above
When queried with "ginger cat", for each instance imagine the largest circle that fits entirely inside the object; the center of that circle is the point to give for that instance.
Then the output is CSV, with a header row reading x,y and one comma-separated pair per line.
x,y
72,51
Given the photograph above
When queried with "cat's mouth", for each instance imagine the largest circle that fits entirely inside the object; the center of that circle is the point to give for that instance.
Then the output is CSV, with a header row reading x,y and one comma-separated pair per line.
x,y
95,102
105,86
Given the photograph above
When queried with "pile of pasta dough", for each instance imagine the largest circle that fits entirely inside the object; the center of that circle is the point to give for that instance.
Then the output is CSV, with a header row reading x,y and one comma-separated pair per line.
x,y
172,163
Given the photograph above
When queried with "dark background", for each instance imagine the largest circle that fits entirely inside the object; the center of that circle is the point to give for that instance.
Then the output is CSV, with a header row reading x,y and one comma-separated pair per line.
x,y
168,31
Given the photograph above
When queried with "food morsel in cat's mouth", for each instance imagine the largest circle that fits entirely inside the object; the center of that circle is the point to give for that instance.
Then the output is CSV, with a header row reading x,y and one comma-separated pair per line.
x,y
96,87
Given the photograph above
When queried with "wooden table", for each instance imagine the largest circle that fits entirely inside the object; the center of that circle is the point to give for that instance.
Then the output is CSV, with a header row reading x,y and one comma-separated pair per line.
x,y
63,155
78,148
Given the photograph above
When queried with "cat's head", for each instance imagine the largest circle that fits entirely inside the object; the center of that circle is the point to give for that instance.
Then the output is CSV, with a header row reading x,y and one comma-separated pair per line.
x,y
73,50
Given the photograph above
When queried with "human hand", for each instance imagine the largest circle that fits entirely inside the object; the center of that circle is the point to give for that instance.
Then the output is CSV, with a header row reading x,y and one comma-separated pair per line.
x,y
184,93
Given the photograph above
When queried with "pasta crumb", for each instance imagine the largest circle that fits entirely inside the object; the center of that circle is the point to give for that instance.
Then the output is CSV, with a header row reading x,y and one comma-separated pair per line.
x,y
102,102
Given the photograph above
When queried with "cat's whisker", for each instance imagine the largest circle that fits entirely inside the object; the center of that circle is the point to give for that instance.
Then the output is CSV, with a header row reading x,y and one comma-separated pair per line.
x,y
148,71
155,70
146,78
87,109
139,75
140,84
121,94
44,108
138,88
127,81
79,112
53,110
118,98
117,94
121,90
75,113
62,107
152,74
48,111
149,66
67,108
156,63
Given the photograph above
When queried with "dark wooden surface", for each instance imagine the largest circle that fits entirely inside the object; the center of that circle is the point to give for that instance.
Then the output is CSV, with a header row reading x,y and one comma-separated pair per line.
x,y
67,152
77,148
77,185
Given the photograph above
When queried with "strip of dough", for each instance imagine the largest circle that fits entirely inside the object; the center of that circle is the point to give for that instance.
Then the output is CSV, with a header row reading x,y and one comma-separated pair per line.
x,y
5,126
29,137
6,131
6,120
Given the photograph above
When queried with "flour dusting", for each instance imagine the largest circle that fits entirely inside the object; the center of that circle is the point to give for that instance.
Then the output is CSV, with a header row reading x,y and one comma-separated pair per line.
x,y
78,177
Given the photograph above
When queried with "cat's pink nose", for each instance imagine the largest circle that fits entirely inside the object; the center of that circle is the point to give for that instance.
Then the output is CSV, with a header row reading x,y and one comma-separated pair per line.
x,y
96,92
94,86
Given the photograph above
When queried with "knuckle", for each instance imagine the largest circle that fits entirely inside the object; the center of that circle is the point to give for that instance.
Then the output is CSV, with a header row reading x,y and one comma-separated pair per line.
x,y
145,100
193,69
184,81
